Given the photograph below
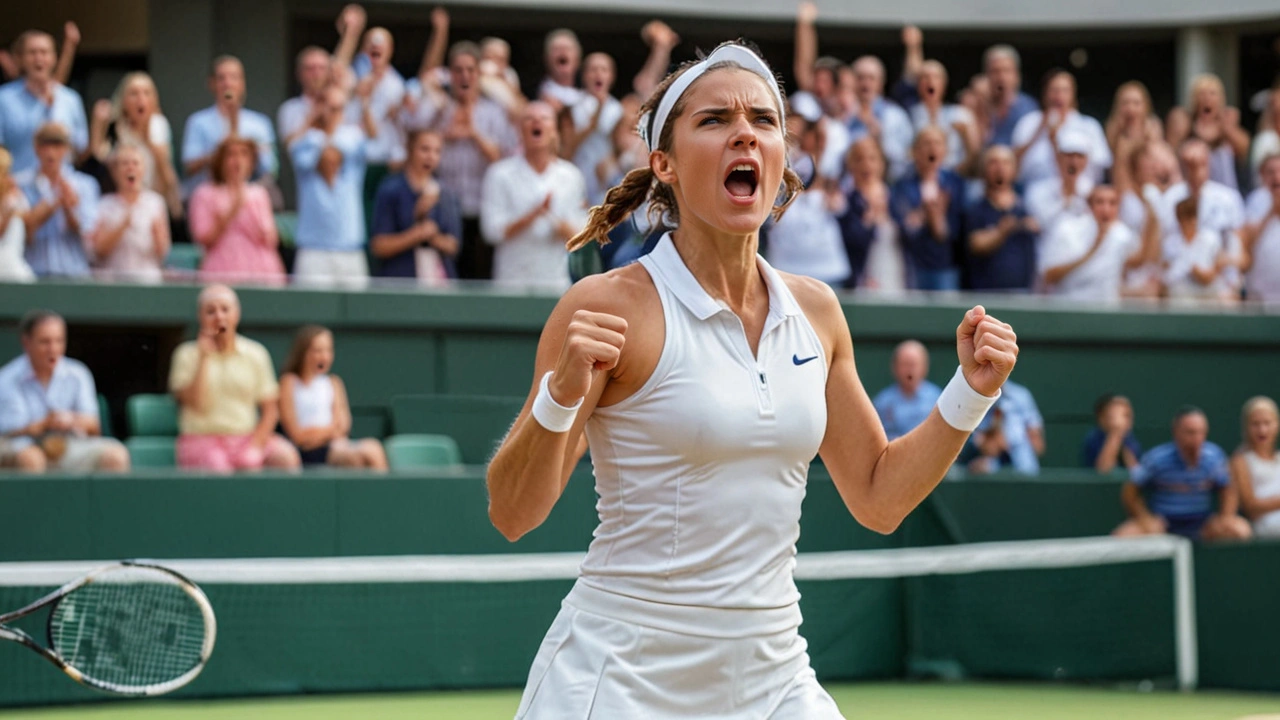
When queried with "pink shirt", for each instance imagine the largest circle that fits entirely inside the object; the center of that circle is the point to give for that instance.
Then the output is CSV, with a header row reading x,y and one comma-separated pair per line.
x,y
246,251
134,258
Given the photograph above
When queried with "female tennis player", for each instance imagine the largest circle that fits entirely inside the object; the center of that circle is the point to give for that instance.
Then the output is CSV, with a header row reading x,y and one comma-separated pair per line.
x,y
705,382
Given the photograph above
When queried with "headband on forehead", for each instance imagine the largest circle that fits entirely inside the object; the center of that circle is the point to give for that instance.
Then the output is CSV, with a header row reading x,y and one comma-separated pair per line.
x,y
651,132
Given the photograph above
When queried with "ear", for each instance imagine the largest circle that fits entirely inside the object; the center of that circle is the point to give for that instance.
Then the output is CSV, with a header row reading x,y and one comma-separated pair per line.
x,y
662,167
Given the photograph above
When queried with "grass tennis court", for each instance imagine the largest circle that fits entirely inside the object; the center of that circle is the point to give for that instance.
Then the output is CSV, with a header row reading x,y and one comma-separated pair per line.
x,y
881,701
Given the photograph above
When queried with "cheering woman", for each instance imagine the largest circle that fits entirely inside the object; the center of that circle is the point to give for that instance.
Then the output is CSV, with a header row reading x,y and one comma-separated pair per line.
x,y
705,381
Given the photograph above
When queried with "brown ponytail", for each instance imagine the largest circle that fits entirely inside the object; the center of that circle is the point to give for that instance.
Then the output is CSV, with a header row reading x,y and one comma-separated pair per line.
x,y
621,200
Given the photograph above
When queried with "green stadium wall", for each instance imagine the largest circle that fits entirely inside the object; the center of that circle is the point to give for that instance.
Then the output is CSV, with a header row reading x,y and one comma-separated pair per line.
x,y
1110,623
478,342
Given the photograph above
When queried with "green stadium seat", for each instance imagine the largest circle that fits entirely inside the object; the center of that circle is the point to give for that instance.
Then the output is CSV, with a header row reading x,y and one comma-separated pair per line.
x,y
184,256
104,416
287,227
152,415
151,452
477,422
412,452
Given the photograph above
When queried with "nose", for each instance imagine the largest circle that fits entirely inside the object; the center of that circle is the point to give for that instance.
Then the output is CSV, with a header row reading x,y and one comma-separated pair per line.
x,y
744,133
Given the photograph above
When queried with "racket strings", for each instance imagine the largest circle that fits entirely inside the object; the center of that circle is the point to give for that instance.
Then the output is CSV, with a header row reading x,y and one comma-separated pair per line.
x,y
129,633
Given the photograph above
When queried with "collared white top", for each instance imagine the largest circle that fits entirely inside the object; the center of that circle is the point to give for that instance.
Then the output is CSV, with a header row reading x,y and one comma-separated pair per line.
x,y
1263,279
1040,161
701,473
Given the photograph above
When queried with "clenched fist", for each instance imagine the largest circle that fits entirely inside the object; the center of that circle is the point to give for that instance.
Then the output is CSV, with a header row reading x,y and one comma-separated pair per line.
x,y
988,350
592,345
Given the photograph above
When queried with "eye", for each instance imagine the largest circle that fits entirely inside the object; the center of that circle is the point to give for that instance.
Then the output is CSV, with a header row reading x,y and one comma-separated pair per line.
x,y
708,120
767,119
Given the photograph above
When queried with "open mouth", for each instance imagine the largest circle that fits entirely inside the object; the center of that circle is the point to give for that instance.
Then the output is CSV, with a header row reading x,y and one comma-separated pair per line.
x,y
742,181
536,133
562,61
932,158
131,179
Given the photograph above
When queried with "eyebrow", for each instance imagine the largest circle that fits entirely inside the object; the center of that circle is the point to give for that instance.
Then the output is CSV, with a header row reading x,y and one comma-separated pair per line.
x,y
729,111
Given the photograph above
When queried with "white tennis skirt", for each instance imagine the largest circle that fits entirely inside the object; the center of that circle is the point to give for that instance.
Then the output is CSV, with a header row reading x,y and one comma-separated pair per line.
x,y
594,667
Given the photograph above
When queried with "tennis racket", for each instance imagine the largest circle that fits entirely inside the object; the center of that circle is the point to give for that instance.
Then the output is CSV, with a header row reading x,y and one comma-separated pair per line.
x,y
129,628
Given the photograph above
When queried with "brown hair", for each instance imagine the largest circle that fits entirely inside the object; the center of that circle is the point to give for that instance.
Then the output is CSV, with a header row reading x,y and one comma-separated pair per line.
x,y
641,184
306,335
220,156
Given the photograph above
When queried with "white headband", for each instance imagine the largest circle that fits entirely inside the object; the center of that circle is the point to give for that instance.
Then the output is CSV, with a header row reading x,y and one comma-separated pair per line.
x,y
735,54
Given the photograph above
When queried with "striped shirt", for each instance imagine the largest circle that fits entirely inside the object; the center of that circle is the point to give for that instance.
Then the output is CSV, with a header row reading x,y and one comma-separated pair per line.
x,y
462,165
1176,490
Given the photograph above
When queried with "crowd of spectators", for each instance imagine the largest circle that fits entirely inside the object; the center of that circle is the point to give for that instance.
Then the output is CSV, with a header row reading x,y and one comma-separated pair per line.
x,y
1188,486
927,182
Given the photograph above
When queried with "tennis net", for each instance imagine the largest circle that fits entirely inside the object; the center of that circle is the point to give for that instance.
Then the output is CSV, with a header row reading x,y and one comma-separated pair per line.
x,y
1089,609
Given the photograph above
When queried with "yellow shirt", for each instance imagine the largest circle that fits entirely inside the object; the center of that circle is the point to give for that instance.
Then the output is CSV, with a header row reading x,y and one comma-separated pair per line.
x,y
235,383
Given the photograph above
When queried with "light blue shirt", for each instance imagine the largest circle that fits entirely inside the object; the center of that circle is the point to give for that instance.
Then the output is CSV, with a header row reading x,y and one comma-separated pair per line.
x,y
207,128
896,135
23,400
56,249
330,217
899,413
1019,415
22,113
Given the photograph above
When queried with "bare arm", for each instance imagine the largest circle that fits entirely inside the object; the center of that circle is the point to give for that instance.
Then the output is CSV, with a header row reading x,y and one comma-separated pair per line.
x,y
806,46
882,481
160,239
268,416
1228,501
391,244
434,55
67,58
1054,275
351,24
985,242
1149,251
662,39
1235,135
530,470
341,408
1106,461
105,239
193,394
1134,505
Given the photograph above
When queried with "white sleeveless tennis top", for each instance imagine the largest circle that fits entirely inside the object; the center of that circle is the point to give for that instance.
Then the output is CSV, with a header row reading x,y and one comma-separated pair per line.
x,y
1265,475
702,471
313,401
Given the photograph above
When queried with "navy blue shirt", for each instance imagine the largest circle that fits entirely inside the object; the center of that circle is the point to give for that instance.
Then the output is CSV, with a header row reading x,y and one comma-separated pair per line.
x,y
1002,128
1097,438
925,251
1179,491
1012,266
393,213
858,236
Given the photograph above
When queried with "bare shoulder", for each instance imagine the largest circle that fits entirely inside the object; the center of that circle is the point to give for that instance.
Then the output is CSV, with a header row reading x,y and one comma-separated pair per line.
x,y
627,292
816,299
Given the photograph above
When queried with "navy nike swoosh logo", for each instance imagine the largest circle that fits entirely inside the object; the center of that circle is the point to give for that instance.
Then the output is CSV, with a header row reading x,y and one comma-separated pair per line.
x,y
800,361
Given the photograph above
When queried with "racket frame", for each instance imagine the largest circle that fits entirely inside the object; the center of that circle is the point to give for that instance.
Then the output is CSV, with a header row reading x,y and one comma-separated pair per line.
x,y
48,653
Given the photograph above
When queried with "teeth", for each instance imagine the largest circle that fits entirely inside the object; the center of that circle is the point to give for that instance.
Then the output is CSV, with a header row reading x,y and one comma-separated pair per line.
x,y
743,166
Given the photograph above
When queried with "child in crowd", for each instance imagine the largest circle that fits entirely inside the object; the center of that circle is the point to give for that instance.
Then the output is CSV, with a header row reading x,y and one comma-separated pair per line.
x,y
314,410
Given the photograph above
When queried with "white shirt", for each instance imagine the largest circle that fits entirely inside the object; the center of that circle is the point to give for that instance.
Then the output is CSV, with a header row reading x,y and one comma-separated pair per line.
x,y
831,164
511,189
384,105
807,240
1098,279
313,401
1263,280
13,240
701,472
1046,203
1265,476
1221,211
1181,256
134,258
563,94
597,146
947,114
158,133
1040,161
1265,143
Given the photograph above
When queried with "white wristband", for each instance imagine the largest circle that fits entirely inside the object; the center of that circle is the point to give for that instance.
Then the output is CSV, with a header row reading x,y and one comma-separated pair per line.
x,y
963,407
551,414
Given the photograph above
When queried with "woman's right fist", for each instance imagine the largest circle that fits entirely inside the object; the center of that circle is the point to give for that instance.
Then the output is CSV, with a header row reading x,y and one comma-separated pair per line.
x,y
592,344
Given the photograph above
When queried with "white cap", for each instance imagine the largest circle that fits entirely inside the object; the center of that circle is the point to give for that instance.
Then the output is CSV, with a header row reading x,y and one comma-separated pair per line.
x,y
1073,141
806,106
